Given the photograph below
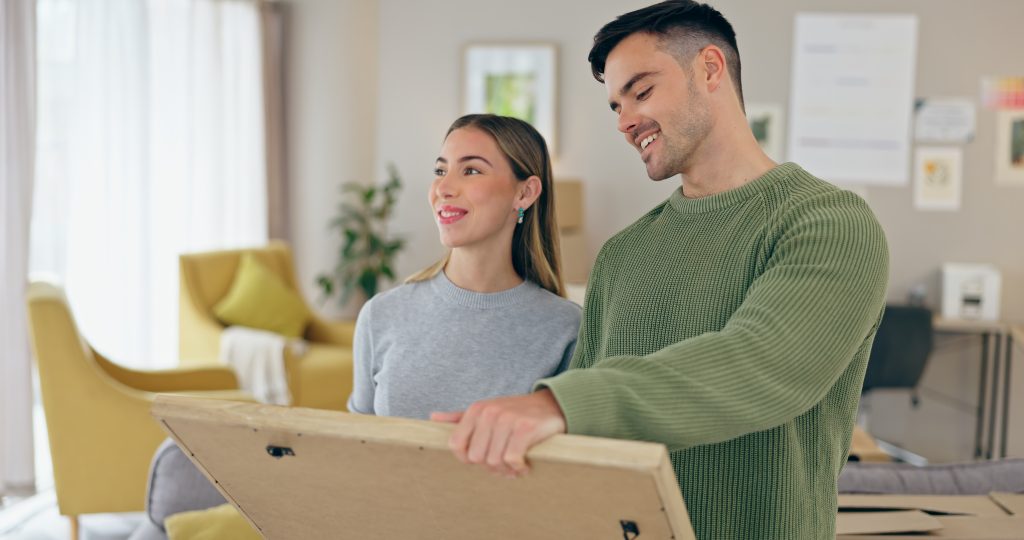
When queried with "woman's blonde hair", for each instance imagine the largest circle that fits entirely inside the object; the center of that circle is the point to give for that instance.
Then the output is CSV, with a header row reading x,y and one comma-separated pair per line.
x,y
535,251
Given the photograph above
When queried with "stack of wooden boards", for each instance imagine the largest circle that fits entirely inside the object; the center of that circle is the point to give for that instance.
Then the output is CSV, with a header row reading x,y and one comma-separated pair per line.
x,y
996,516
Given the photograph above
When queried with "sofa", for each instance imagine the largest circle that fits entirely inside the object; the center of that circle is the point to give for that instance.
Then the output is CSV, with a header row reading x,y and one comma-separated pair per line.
x,y
101,433
321,378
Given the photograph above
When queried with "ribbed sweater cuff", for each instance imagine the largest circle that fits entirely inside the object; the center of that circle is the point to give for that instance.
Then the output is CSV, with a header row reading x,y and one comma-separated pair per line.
x,y
581,401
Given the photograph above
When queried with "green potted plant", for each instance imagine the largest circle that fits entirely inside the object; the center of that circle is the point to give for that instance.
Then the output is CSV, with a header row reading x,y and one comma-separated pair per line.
x,y
367,252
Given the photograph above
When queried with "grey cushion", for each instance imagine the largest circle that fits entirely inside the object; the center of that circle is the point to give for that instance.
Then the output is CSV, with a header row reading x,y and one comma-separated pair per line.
x,y
175,485
954,479
147,531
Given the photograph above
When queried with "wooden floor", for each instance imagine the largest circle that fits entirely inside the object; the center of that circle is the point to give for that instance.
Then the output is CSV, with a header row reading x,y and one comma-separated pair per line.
x,y
36,518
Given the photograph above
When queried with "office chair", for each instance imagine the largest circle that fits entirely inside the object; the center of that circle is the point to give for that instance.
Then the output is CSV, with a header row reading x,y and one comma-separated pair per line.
x,y
899,354
902,345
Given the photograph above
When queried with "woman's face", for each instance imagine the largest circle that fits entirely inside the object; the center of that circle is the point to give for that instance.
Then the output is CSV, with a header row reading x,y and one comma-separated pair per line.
x,y
474,193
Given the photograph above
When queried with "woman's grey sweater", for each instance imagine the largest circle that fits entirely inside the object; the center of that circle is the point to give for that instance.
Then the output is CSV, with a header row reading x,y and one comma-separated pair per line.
x,y
431,346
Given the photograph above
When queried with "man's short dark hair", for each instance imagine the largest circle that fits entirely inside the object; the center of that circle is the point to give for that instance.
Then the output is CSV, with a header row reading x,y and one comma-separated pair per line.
x,y
684,28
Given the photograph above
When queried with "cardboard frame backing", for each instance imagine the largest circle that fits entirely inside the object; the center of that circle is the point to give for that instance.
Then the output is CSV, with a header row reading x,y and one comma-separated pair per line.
x,y
304,473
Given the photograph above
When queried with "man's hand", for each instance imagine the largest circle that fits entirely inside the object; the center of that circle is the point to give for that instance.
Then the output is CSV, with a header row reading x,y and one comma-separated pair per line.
x,y
498,432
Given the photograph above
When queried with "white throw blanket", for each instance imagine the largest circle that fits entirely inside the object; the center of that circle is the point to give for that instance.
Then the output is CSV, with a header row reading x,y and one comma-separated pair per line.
x,y
257,357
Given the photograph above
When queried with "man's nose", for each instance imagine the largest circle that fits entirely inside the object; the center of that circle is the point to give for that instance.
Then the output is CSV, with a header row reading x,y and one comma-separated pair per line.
x,y
627,121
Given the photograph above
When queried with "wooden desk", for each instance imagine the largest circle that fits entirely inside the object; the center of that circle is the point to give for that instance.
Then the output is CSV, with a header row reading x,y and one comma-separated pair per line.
x,y
863,447
994,333
1016,333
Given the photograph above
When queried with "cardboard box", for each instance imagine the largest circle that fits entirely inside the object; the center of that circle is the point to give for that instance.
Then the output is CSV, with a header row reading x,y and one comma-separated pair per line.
x,y
311,474
855,524
948,505
958,528
576,262
997,516
1012,503
569,205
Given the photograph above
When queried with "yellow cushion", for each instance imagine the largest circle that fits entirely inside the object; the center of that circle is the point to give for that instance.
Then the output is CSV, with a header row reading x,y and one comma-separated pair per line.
x,y
258,298
211,524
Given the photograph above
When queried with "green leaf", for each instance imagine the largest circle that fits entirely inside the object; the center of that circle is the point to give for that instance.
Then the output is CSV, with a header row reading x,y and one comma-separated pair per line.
x,y
389,249
373,243
368,283
367,252
351,237
325,283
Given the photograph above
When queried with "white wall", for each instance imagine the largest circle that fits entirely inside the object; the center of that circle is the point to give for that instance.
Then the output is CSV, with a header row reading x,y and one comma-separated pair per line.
x,y
378,81
421,46
331,107
420,52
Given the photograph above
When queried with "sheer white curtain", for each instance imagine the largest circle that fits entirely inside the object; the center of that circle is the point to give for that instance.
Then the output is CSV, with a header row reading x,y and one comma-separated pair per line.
x,y
17,142
151,144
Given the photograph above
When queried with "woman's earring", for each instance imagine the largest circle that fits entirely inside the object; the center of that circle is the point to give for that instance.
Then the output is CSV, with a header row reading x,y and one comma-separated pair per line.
x,y
522,212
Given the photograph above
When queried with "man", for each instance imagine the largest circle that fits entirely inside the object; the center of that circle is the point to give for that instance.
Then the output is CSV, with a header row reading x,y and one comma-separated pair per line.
x,y
732,322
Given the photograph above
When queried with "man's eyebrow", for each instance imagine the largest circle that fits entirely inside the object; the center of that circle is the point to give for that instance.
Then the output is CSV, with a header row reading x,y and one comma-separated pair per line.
x,y
629,86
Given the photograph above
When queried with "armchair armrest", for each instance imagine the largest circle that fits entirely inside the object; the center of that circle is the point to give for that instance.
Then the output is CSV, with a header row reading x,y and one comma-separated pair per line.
x,y
199,338
333,332
172,380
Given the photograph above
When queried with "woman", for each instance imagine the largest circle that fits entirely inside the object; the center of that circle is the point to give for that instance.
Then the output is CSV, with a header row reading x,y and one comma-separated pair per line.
x,y
489,319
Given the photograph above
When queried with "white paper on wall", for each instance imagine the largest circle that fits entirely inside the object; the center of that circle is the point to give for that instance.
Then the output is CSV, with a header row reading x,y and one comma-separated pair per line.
x,y
853,96
944,120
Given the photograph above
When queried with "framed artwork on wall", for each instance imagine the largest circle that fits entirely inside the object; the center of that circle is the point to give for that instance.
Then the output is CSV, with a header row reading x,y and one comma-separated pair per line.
x,y
938,178
1010,147
765,121
512,80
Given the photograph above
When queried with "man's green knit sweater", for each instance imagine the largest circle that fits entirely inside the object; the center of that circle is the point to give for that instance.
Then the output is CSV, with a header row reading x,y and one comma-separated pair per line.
x,y
735,329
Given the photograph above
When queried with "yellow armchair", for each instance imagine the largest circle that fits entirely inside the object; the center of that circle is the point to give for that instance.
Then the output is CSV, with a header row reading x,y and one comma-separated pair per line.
x,y
102,436
321,378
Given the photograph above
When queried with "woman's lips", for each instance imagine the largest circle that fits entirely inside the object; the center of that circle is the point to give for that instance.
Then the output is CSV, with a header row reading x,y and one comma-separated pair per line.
x,y
450,214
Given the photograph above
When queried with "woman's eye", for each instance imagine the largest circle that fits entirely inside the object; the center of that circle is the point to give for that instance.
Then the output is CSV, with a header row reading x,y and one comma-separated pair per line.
x,y
471,170
643,95
439,172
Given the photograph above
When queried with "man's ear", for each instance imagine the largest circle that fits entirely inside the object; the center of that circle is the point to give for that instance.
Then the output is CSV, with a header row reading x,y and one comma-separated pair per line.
x,y
529,191
712,61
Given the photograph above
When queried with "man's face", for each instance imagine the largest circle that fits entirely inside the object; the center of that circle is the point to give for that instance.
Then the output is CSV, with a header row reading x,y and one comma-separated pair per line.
x,y
660,110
